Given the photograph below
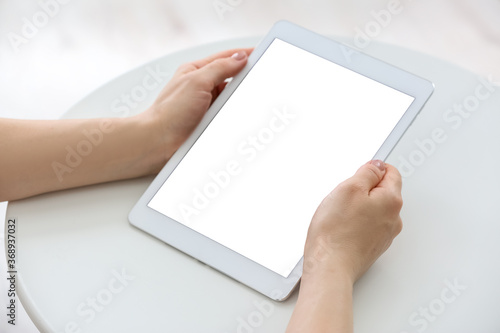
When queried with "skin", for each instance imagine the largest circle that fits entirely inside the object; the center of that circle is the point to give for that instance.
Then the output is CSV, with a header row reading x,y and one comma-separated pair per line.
x,y
135,146
351,228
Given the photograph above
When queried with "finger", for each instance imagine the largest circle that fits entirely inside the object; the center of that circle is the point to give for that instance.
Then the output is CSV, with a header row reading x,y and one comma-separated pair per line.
x,y
219,70
392,179
370,174
220,55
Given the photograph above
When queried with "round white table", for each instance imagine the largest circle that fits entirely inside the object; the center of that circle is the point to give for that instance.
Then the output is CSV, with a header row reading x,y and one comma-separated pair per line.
x,y
83,268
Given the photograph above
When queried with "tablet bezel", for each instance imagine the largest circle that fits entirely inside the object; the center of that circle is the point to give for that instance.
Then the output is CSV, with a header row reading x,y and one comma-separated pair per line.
x,y
222,258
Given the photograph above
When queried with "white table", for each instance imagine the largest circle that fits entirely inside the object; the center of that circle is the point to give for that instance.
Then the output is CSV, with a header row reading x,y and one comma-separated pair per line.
x,y
73,244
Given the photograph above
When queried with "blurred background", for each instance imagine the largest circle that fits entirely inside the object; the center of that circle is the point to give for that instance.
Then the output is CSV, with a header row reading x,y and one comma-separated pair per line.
x,y
55,52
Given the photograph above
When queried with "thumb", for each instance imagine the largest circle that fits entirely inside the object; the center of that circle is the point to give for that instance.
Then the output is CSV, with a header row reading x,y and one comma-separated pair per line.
x,y
370,174
219,70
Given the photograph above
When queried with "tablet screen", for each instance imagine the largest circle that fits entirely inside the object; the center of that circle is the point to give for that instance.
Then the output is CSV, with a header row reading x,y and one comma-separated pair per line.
x,y
295,127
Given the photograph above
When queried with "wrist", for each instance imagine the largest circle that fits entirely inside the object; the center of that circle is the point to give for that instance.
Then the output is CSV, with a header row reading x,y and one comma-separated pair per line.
x,y
325,272
155,143
322,259
324,303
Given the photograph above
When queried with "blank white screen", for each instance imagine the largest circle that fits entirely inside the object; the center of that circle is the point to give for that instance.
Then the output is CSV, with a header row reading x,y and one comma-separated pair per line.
x,y
296,126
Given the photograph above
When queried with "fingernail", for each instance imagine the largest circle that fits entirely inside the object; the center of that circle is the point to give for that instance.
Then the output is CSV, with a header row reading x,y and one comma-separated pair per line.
x,y
379,164
239,55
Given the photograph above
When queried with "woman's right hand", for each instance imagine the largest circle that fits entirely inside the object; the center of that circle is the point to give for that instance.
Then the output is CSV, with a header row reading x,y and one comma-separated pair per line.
x,y
355,223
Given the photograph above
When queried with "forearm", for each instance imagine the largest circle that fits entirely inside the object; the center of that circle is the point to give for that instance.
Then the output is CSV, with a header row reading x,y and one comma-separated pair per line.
x,y
324,304
46,155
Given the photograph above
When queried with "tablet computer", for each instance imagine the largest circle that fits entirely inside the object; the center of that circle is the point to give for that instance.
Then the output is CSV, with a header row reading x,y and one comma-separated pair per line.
x,y
303,115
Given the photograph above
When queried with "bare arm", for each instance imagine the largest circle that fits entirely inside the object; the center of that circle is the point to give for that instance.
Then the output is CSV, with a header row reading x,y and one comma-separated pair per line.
x,y
351,228
41,156
47,155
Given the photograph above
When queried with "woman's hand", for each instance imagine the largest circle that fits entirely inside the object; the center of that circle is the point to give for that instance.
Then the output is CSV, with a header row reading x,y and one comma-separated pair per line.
x,y
43,156
356,222
187,96
351,228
